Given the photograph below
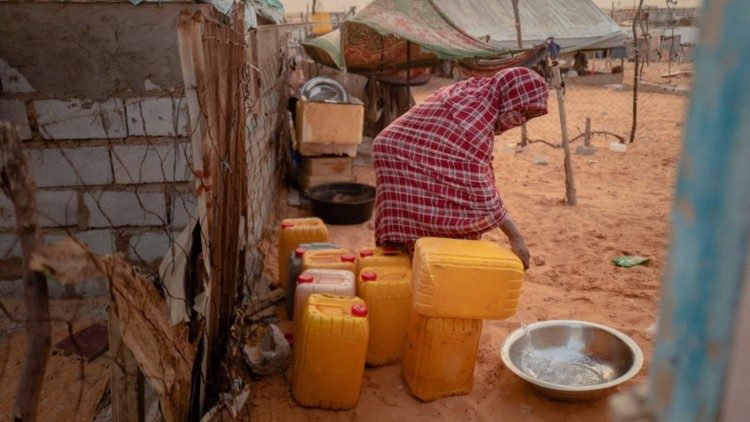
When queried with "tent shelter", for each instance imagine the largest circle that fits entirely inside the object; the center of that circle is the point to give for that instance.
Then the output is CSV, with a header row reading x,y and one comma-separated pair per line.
x,y
399,34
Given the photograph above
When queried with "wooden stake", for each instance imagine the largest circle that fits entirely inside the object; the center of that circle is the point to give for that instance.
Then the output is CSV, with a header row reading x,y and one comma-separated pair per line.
x,y
519,39
16,182
125,378
570,186
587,138
635,71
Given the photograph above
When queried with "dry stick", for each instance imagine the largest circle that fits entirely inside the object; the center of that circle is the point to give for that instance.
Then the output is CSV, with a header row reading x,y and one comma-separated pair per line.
x,y
570,186
635,71
19,186
524,133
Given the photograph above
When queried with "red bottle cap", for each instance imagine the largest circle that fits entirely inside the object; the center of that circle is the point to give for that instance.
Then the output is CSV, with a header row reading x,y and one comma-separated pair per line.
x,y
286,224
366,252
368,276
359,310
305,278
348,258
299,252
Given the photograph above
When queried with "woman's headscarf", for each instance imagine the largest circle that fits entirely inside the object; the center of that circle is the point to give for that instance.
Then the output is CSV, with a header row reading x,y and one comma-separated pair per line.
x,y
433,165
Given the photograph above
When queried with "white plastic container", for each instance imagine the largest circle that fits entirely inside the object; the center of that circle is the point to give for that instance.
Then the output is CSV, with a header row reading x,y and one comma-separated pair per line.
x,y
320,281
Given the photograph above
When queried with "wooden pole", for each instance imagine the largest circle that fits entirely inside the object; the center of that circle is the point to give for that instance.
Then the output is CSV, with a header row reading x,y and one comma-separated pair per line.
x,y
125,378
519,39
16,182
587,138
570,186
635,71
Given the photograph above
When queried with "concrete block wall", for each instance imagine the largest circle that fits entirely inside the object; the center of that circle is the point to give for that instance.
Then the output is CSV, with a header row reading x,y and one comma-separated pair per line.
x,y
114,173
111,156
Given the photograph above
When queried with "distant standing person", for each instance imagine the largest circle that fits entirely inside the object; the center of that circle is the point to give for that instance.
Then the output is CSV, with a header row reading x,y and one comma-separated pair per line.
x,y
581,63
433,165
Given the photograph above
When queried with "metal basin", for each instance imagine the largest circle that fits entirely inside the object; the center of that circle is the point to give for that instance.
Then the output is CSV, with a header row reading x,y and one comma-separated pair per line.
x,y
322,88
571,360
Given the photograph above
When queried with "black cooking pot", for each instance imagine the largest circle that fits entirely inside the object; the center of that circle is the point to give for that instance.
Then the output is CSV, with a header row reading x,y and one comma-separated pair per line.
x,y
343,202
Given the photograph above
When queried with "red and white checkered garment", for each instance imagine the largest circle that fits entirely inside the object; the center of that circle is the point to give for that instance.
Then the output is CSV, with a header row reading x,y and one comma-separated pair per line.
x,y
433,165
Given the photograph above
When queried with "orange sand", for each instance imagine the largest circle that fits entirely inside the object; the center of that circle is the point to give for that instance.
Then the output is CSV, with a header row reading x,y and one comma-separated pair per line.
x,y
624,204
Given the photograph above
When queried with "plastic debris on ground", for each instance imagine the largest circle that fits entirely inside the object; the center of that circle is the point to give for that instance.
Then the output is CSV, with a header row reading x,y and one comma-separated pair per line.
x,y
617,146
272,355
629,261
540,160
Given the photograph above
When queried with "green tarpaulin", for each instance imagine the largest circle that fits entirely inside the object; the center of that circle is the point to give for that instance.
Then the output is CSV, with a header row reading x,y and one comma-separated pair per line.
x,y
375,39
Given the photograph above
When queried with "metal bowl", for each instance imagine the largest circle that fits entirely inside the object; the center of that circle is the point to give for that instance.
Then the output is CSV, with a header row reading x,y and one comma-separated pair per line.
x,y
571,360
322,88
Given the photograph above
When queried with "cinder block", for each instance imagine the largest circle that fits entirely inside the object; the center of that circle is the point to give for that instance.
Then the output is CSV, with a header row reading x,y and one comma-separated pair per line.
x,y
57,208
101,242
157,116
148,246
151,163
13,81
118,209
70,166
9,246
184,207
15,112
81,119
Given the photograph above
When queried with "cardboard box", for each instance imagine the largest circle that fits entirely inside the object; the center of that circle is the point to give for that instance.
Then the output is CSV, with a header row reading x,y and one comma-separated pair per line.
x,y
306,181
329,123
327,166
309,149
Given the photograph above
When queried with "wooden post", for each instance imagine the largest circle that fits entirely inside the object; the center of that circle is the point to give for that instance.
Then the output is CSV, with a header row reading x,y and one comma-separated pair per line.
x,y
691,372
519,39
570,186
635,71
16,182
587,137
125,379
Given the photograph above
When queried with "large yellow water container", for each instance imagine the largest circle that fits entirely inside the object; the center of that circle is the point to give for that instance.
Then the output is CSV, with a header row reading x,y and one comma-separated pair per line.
x,y
329,352
382,256
293,232
322,280
332,259
473,279
387,293
439,355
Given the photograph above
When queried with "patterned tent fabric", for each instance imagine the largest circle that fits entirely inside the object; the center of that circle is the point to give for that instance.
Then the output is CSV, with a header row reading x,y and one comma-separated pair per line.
x,y
375,39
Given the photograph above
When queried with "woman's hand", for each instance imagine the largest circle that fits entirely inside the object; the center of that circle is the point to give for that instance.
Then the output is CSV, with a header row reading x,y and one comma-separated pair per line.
x,y
517,244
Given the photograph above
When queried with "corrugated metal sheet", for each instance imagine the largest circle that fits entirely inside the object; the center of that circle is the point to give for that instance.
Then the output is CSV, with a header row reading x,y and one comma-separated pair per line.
x,y
573,23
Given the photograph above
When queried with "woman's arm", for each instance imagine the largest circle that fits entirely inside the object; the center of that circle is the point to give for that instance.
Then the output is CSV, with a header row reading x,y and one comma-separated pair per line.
x,y
517,244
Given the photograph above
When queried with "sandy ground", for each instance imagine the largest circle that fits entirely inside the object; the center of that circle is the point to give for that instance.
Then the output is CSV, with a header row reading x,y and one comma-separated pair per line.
x,y
624,203
71,389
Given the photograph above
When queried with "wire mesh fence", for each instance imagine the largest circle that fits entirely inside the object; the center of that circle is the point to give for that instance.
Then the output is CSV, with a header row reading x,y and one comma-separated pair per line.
x,y
133,174
607,100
